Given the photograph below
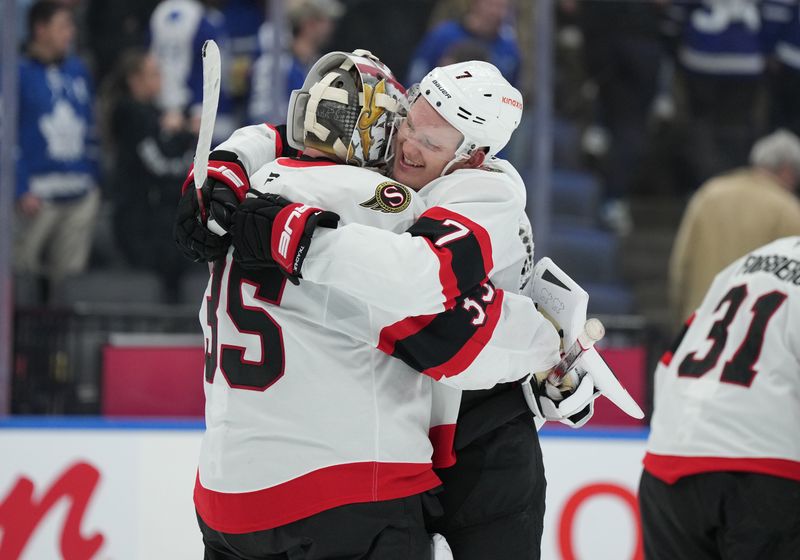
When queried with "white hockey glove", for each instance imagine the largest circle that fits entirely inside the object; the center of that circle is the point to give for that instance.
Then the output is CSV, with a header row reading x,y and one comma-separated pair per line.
x,y
572,403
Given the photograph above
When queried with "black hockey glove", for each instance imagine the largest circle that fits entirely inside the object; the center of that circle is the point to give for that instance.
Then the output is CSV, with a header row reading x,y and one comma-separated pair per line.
x,y
193,238
269,230
226,186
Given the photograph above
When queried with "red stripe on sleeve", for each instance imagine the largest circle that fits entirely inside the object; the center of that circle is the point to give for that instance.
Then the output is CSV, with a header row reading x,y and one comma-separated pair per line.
x,y
473,346
443,440
447,277
278,141
400,330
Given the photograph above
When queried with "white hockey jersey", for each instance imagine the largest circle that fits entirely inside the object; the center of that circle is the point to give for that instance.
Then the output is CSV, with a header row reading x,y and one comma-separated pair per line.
x,y
303,413
727,398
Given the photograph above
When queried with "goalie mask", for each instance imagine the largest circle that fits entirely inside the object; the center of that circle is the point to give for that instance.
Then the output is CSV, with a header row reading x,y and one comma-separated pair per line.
x,y
346,108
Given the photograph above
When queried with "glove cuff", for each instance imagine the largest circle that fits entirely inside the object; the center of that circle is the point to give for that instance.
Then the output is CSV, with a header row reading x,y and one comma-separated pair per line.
x,y
288,231
224,167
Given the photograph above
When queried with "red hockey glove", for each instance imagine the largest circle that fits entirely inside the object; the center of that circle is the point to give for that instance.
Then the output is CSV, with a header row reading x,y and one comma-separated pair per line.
x,y
269,230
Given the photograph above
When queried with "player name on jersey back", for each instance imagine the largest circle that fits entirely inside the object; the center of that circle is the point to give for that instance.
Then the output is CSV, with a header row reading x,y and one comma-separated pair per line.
x,y
727,398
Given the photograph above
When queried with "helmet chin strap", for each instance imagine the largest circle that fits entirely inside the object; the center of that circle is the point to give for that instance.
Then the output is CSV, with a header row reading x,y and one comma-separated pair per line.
x,y
452,162
463,153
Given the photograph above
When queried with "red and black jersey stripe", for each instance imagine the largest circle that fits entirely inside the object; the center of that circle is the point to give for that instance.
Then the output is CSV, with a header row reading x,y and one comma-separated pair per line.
x,y
446,344
462,246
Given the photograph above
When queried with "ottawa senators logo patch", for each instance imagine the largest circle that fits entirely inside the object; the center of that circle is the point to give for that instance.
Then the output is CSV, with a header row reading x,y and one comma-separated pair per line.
x,y
390,198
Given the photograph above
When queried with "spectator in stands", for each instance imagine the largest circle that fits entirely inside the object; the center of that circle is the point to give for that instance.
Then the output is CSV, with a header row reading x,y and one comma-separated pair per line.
x,y
485,21
721,53
375,25
57,171
622,53
149,161
782,30
178,30
462,51
113,26
243,19
734,214
312,24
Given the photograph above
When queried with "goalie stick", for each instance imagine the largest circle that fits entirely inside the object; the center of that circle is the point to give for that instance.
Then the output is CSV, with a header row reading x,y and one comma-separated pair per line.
x,y
593,331
560,297
212,68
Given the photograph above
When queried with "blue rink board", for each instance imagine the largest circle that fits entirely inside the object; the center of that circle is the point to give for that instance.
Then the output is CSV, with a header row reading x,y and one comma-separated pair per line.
x,y
188,424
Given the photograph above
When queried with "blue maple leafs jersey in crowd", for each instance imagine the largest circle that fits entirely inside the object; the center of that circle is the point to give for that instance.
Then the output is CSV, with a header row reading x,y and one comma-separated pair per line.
x,y
503,49
178,29
782,30
721,38
57,138
264,105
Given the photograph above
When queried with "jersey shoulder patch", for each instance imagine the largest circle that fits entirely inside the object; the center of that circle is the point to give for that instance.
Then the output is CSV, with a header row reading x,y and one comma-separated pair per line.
x,y
389,198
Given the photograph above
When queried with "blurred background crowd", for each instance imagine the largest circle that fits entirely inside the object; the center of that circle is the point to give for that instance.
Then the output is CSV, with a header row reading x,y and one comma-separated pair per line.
x,y
655,103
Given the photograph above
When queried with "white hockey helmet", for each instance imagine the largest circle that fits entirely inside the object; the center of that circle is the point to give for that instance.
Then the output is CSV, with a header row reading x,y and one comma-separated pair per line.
x,y
478,101
346,108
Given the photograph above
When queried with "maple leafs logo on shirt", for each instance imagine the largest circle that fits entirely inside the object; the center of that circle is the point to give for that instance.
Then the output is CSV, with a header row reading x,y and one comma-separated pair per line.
x,y
64,130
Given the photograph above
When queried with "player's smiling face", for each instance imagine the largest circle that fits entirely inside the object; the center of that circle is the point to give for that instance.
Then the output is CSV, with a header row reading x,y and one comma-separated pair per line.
x,y
425,143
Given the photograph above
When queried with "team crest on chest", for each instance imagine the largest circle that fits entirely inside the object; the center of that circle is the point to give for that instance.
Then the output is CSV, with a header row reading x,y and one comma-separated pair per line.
x,y
390,198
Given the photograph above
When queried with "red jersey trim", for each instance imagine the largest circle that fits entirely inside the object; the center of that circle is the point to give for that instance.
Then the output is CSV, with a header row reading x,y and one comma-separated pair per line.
x,y
278,140
467,354
310,494
671,468
443,439
447,277
401,330
289,162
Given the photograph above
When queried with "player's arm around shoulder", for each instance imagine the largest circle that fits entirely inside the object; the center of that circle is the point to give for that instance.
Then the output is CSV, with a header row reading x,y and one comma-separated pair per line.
x,y
488,337
523,342
446,253
490,203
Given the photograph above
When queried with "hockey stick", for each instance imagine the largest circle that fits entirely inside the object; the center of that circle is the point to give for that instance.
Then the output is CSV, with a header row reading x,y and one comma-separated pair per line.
x,y
212,68
560,297
593,331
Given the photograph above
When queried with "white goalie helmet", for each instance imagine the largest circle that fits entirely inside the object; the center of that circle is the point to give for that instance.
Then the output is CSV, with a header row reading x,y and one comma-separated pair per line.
x,y
346,108
477,100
